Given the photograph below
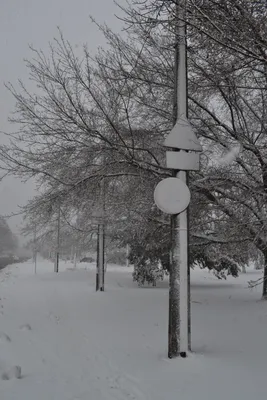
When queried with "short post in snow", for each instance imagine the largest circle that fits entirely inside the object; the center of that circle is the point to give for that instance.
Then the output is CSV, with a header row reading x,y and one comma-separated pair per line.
x,y
172,196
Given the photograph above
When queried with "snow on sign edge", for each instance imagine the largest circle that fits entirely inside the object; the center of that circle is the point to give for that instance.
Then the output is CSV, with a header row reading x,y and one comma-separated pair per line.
x,y
172,195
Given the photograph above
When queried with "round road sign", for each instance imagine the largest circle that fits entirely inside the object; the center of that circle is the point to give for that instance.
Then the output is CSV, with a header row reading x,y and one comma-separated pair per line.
x,y
172,196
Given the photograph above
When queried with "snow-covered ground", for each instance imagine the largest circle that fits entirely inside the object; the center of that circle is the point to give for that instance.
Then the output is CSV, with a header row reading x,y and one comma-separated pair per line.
x,y
75,344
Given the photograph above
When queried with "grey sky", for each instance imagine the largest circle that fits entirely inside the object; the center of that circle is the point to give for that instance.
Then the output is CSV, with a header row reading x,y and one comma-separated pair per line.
x,y
24,22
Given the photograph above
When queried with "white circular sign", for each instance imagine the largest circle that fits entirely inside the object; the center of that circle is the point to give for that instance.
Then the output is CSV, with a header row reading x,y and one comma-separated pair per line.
x,y
172,196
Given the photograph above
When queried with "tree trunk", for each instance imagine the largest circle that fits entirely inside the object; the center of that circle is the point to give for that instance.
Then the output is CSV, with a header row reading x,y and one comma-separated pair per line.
x,y
264,290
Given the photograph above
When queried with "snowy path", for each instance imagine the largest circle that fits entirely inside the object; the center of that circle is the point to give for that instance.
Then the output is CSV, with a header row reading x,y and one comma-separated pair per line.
x,y
75,344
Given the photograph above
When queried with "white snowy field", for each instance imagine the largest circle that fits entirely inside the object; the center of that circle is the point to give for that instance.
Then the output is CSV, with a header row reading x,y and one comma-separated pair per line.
x,y
75,344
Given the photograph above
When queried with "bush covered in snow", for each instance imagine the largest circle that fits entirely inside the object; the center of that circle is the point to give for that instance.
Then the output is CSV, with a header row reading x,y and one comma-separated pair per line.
x,y
147,272
221,264
150,263
88,259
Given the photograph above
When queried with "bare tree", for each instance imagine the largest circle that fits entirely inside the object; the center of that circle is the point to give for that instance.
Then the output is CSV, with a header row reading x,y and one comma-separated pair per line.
x,y
227,86
119,105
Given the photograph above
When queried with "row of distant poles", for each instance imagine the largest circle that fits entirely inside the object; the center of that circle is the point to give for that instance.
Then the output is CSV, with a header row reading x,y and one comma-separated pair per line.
x,y
100,259
35,246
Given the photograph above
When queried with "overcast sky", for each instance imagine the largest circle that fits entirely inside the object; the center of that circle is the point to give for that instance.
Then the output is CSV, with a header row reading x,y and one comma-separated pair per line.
x,y
35,22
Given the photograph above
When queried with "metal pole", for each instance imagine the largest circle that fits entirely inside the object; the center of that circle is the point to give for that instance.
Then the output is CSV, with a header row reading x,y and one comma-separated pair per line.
x,y
179,323
183,217
56,268
101,257
174,329
72,253
97,261
127,255
102,237
100,264
35,263
75,258
35,251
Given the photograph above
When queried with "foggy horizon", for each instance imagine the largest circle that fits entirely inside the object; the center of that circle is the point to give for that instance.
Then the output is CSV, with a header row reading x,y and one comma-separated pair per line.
x,y
36,23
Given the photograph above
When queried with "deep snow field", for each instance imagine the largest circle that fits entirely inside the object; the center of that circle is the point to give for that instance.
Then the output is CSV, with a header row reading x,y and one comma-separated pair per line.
x,y
75,344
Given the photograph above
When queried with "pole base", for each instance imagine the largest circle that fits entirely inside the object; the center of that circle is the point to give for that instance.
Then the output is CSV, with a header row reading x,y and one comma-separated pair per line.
x,y
183,354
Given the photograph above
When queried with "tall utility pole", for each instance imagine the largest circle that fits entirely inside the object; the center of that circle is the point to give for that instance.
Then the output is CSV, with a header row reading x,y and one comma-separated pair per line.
x,y
172,196
181,221
174,295
179,320
183,157
56,267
